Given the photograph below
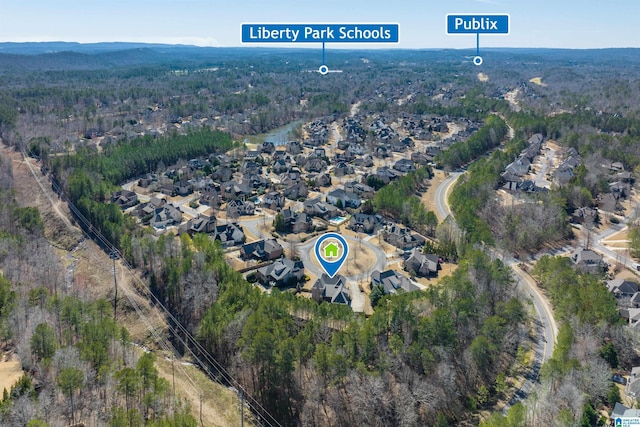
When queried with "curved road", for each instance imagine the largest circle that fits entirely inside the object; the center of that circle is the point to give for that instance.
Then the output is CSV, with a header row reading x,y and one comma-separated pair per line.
x,y
306,249
442,193
546,327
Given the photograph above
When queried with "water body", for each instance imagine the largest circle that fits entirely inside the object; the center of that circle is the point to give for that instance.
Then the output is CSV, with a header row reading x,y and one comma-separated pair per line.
x,y
278,136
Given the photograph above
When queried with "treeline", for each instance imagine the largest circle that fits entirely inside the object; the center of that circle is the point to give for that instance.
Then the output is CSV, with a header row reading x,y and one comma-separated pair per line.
x,y
79,365
472,103
520,227
87,366
575,295
399,201
313,364
460,153
125,160
576,381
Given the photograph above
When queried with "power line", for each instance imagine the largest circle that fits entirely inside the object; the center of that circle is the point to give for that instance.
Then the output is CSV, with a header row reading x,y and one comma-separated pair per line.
x,y
253,404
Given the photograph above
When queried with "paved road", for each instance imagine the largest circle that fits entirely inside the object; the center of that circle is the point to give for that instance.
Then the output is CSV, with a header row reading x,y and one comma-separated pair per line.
x,y
305,251
442,193
546,328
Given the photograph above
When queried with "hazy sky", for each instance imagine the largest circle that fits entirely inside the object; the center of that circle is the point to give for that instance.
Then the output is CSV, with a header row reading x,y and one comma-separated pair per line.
x,y
534,23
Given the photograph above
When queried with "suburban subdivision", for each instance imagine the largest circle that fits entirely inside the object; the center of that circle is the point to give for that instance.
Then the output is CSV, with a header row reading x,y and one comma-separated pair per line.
x,y
162,217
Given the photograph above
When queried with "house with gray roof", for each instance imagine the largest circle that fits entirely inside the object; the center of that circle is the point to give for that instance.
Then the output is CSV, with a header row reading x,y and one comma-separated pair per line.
x,y
426,265
363,223
587,261
346,198
124,199
282,272
392,282
331,289
262,250
229,235
403,238
200,224
165,216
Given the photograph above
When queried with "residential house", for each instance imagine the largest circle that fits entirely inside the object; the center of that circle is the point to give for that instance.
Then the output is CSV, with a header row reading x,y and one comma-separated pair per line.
x,y
315,165
168,189
232,190
563,175
420,264
256,182
282,272
294,147
281,166
273,200
585,215
210,197
622,289
519,167
196,163
146,181
363,223
250,168
609,202
315,207
319,152
404,166
587,261
403,238
262,250
392,282
222,174
331,289
364,162
229,235
165,216
237,207
296,191
297,222
268,147
342,169
292,177
420,158
183,188
633,384
124,199
320,179
362,190
622,189
200,224
251,155
344,199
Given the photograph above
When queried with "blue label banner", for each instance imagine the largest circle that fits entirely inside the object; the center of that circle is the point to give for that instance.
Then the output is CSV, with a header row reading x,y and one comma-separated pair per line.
x,y
477,24
324,33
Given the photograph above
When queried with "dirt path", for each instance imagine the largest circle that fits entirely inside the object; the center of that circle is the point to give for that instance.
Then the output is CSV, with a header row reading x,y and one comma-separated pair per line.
x,y
428,198
34,190
92,278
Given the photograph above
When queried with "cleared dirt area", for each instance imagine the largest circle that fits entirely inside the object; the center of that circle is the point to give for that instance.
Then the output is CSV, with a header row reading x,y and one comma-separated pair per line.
x,y
483,77
538,81
220,406
429,196
10,371
34,190
91,276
